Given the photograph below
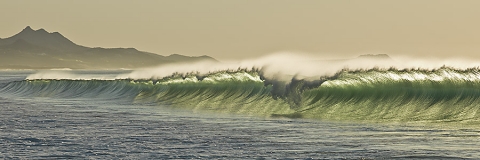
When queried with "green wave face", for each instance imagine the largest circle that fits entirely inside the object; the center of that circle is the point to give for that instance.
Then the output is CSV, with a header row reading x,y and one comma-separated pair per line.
x,y
442,95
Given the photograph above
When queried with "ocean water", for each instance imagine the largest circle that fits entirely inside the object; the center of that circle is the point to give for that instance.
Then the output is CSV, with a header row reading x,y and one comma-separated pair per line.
x,y
241,115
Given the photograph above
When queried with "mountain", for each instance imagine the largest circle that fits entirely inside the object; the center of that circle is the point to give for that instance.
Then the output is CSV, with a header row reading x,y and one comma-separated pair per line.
x,y
42,38
39,49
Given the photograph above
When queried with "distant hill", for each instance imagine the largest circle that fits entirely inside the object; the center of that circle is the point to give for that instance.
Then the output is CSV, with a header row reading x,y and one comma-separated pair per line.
x,y
379,57
39,49
364,57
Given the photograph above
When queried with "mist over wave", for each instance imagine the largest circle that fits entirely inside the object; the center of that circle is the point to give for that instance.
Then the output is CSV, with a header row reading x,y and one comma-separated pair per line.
x,y
289,65
284,66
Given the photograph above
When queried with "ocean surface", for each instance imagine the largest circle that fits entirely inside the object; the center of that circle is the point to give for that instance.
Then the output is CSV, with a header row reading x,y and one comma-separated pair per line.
x,y
363,114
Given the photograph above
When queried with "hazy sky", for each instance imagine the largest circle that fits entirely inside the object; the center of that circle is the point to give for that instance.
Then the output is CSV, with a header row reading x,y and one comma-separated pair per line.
x,y
227,29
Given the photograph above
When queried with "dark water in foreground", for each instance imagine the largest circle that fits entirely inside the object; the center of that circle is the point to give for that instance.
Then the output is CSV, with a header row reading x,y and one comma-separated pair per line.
x,y
82,128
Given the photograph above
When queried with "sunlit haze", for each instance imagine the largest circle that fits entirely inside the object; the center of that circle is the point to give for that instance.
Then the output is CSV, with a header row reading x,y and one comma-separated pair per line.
x,y
232,30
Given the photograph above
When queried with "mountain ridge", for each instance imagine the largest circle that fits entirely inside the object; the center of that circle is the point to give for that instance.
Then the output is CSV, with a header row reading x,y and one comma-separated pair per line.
x,y
40,49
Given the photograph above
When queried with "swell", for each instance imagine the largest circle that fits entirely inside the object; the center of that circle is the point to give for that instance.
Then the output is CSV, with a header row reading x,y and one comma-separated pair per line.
x,y
441,95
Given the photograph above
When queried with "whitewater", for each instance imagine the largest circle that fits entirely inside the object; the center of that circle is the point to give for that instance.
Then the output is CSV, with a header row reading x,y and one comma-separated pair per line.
x,y
245,111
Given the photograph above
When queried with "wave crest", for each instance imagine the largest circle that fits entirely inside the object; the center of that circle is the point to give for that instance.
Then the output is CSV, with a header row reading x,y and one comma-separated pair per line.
x,y
386,95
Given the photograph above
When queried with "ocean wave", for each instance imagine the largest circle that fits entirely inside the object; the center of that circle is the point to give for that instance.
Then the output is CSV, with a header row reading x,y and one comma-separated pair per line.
x,y
379,95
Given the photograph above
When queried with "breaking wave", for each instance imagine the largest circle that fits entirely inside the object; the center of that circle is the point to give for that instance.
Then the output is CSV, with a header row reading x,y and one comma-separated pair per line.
x,y
379,95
